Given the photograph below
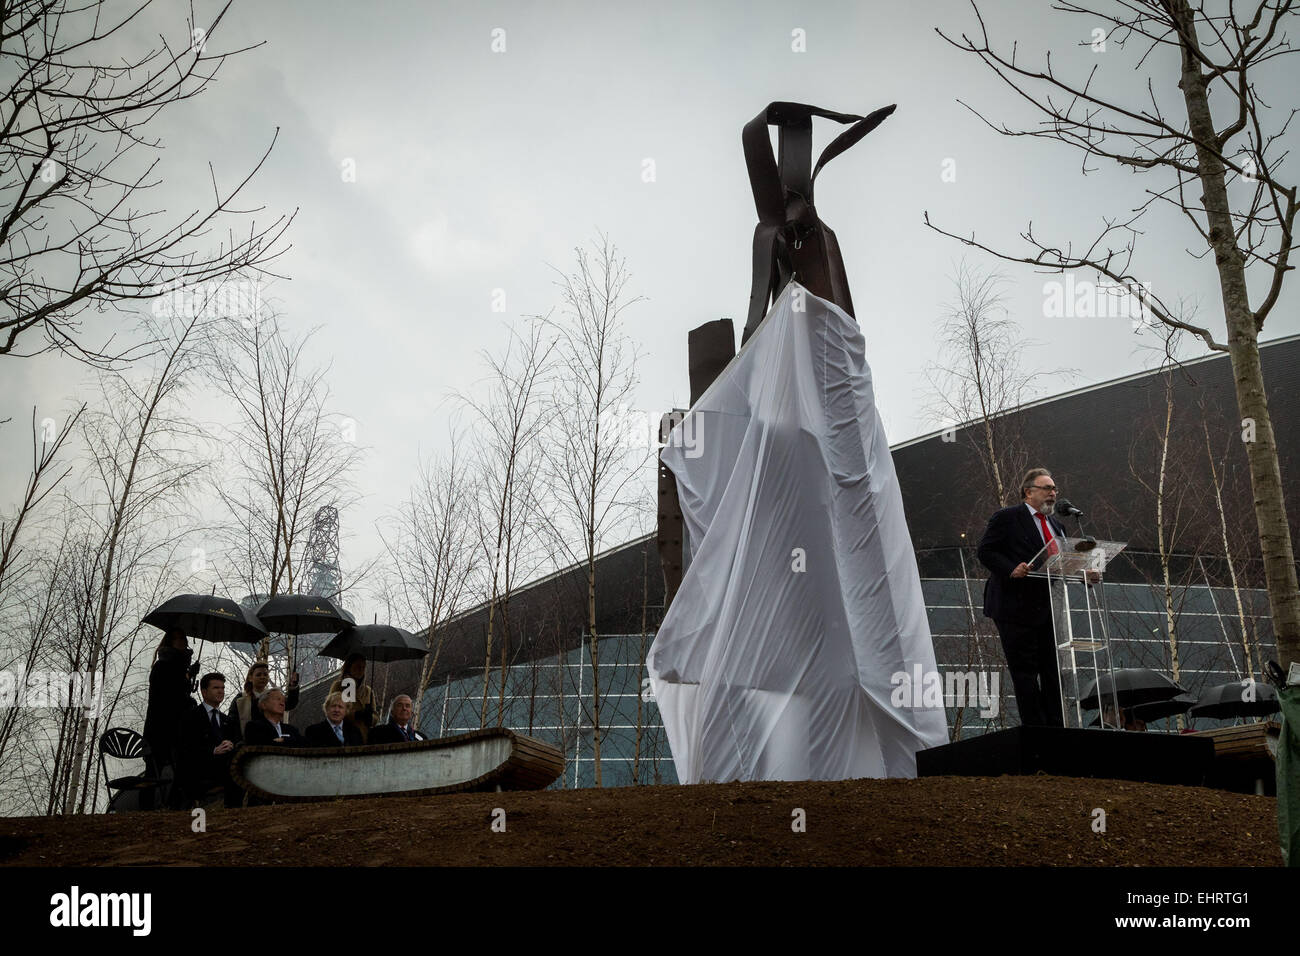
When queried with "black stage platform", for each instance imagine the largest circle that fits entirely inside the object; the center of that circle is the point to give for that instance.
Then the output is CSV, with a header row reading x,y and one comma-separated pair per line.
x,y
1073,752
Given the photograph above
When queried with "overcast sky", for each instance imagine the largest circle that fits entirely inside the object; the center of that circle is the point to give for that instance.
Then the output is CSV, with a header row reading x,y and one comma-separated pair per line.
x,y
478,170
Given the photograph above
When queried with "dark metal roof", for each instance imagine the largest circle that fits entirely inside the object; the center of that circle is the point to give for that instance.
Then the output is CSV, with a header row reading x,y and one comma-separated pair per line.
x,y
1093,439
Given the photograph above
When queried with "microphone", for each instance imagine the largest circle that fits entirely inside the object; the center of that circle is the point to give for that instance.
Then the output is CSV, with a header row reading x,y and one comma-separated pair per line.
x,y
1063,508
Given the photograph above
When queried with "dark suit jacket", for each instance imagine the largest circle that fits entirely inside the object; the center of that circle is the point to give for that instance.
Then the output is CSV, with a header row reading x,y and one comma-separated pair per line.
x,y
260,731
1013,536
322,735
389,734
197,741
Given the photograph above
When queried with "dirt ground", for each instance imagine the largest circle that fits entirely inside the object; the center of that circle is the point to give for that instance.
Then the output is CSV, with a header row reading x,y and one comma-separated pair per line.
x,y
935,821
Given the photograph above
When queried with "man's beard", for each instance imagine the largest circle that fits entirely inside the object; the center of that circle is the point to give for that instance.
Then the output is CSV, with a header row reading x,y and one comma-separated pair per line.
x,y
1046,508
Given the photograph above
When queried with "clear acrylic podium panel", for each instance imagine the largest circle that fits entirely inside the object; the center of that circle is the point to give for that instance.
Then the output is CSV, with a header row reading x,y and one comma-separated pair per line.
x,y
1079,620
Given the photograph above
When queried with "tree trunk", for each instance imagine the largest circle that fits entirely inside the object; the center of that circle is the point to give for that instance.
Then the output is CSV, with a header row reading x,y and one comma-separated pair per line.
x,y
505,645
1243,347
487,661
1227,553
1171,620
595,663
640,669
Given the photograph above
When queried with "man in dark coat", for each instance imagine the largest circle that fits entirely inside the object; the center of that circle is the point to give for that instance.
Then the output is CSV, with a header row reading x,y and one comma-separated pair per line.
x,y
208,739
1019,605
270,727
334,731
399,728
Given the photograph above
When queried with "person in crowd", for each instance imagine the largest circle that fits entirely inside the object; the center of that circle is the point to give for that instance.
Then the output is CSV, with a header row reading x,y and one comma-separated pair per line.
x,y
1126,718
270,727
399,728
334,730
170,686
358,696
244,706
208,739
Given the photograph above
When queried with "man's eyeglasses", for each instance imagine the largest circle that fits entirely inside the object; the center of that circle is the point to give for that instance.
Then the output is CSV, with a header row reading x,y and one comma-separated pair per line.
x,y
1044,487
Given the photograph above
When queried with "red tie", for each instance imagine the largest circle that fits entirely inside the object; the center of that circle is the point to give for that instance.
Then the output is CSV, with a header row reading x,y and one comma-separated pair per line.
x,y
1047,533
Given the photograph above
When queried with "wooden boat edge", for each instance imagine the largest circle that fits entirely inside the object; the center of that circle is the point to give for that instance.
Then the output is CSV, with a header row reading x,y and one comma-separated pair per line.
x,y
516,768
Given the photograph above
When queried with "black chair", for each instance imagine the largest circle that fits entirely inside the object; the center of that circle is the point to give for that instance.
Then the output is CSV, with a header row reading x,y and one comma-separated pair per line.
x,y
146,791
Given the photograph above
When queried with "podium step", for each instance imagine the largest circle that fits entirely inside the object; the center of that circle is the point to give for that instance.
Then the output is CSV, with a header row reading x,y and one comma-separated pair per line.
x,y
1073,752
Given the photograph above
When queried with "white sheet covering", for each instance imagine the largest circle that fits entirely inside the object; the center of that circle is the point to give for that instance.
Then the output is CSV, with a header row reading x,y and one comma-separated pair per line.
x,y
801,599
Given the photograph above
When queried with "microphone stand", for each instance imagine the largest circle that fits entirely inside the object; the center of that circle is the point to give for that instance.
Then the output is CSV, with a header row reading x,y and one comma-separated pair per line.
x,y
1087,542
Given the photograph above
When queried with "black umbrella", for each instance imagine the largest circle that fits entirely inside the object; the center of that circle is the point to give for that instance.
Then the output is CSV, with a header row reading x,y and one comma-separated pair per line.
x,y
1157,709
303,614
1130,686
378,642
207,617
1227,700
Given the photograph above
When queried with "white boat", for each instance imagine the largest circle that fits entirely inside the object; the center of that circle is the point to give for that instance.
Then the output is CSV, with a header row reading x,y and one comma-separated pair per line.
x,y
490,759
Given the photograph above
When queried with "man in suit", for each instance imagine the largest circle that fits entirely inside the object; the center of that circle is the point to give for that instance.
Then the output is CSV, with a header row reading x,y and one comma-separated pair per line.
x,y
1019,605
334,731
270,727
208,739
399,728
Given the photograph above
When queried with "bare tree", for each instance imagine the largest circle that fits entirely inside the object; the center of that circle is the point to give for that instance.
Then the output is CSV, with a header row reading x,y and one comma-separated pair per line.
x,y
1200,159
30,609
980,377
1219,476
288,455
132,443
640,669
77,600
83,88
591,466
509,421
1177,505
147,569
432,552
46,445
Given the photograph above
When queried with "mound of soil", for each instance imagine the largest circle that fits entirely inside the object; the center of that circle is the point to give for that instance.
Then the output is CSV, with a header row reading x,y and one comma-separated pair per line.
x,y
935,821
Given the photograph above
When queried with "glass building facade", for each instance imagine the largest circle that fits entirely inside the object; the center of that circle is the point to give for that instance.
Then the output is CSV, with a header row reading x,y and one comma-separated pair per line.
x,y
552,698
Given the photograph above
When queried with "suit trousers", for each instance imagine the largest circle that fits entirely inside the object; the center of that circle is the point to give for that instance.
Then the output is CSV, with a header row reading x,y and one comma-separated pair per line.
x,y
1030,650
